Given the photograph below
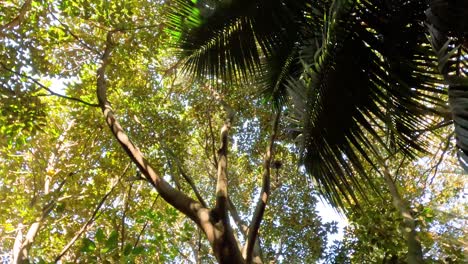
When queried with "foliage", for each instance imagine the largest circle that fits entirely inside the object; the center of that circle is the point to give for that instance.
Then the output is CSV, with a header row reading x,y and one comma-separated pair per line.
x,y
376,234
357,72
63,172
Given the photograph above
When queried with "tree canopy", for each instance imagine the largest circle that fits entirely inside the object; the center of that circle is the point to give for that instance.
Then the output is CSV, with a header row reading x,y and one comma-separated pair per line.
x,y
209,131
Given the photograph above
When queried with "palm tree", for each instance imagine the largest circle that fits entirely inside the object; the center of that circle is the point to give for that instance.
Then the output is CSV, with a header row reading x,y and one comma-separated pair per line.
x,y
355,76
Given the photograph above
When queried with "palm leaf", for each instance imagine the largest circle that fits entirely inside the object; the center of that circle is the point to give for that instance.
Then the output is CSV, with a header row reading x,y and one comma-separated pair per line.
x,y
238,40
361,86
362,75
448,28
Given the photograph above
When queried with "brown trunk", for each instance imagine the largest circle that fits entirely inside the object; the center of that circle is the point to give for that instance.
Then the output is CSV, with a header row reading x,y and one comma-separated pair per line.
x,y
220,235
225,246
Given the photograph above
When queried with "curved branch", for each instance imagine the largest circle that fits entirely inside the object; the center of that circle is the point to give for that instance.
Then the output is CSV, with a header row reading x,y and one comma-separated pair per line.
x,y
69,31
18,19
46,88
176,198
264,194
187,177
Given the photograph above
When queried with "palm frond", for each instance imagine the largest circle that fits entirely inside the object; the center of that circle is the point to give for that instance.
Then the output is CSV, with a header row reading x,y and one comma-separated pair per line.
x,y
448,29
232,40
363,81
362,74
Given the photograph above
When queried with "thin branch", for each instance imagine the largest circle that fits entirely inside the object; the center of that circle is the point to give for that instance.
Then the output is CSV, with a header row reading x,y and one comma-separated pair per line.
x,y
193,186
187,177
145,224
174,176
213,148
92,218
46,88
18,19
176,198
415,254
264,194
124,214
172,68
244,228
441,158
68,30
237,219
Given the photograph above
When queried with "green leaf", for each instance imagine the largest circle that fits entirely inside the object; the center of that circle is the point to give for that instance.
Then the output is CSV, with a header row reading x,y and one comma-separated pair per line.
x,y
128,249
138,250
87,245
100,236
112,242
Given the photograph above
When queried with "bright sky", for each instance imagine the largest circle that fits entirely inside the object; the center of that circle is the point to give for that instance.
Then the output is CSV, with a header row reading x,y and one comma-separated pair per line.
x,y
329,214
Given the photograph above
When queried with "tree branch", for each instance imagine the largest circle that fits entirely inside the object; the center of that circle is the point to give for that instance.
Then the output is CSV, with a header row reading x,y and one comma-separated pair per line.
x,y
145,224
18,19
17,244
124,215
244,229
69,31
33,230
441,158
92,218
237,219
187,178
264,194
415,254
46,88
213,148
177,199
221,207
222,181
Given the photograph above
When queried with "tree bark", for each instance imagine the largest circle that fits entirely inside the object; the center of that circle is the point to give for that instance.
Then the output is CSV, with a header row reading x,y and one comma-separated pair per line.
x,y
264,195
415,254
21,251
176,198
214,223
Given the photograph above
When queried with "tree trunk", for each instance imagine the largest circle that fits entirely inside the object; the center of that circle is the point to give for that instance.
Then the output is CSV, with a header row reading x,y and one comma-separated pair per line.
x,y
225,246
415,255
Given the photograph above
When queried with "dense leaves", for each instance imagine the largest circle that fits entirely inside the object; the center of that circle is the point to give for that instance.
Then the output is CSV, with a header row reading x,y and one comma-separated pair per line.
x,y
364,83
